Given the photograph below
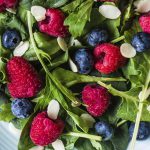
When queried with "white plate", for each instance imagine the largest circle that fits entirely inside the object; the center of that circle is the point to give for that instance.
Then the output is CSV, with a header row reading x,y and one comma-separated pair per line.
x,y
9,140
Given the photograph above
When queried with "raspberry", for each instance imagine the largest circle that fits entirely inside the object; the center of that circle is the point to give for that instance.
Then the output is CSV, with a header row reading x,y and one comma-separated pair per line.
x,y
145,23
7,4
24,81
96,98
54,23
108,58
44,131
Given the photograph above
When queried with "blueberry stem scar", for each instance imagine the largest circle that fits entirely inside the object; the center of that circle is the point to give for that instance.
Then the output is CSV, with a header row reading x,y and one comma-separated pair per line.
x,y
84,135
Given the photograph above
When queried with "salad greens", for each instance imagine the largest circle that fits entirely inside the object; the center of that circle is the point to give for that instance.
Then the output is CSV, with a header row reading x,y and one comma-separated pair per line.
x,y
60,82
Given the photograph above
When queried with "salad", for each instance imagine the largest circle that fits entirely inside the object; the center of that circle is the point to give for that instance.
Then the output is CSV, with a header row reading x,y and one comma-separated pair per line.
x,y
75,74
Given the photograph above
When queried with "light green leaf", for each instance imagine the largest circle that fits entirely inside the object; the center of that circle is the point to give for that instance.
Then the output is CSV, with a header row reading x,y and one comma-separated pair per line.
x,y
77,19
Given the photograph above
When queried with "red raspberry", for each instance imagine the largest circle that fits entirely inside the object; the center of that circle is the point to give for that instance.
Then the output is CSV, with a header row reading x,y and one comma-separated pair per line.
x,y
108,58
7,4
96,98
44,131
24,81
145,23
54,23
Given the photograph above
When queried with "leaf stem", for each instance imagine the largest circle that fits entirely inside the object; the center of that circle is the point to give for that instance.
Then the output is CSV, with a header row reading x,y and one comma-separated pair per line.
x,y
121,123
118,39
84,135
139,114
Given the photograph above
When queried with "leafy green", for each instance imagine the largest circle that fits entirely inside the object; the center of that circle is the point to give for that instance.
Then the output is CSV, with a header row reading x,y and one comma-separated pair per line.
x,y
45,3
25,142
44,42
134,28
78,19
137,69
19,123
71,6
3,77
6,109
74,78
7,20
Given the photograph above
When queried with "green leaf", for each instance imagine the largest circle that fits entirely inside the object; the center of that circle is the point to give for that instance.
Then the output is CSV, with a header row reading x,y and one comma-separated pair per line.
x,y
137,69
3,77
7,20
74,78
71,6
5,113
78,19
133,29
44,42
45,3
25,142
19,123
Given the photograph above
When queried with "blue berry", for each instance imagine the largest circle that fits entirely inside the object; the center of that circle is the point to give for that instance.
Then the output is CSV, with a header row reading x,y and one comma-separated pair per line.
x,y
11,38
84,61
97,36
104,129
141,41
144,130
21,108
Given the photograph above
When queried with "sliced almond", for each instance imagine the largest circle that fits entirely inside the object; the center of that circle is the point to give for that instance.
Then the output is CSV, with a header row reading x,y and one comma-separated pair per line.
x,y
53,109
58,145
127,50
11,10
62,43
21,48
142,6
37,148
13,129
38,12
109,11
88,119
72,65
147,94
74,42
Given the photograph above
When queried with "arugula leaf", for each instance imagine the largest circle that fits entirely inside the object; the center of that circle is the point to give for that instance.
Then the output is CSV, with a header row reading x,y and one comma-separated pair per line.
x,y
6,109
77,19
137,69
74,78
45,3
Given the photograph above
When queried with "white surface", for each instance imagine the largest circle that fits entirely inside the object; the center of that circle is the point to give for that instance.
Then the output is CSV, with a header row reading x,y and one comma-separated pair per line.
x,y
9,141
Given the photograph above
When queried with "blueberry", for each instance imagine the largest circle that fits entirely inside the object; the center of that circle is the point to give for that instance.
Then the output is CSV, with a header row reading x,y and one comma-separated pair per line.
x,y
97,36
104,129
84,61
11,38
21,108
141,41
144,130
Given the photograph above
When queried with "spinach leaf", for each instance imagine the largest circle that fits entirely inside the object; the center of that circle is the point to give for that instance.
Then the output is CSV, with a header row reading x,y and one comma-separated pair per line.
x,y
74,78
78,19
45,3
19,123
46,43
25,142
5,113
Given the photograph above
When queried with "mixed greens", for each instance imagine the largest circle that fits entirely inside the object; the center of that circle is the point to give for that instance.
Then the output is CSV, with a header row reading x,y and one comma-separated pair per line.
x,y
65,86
